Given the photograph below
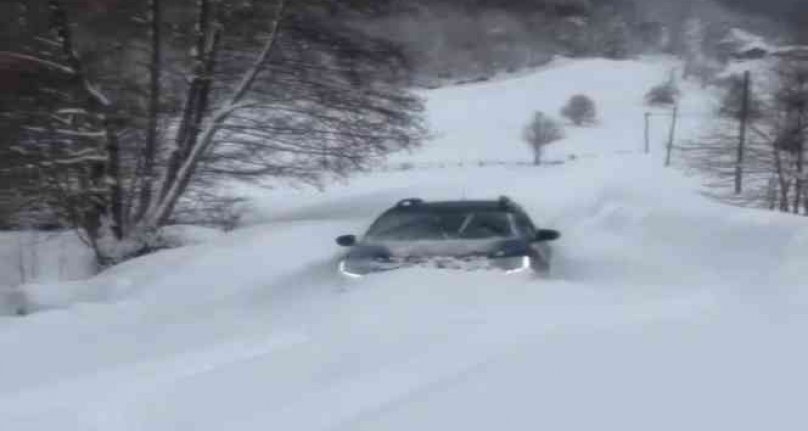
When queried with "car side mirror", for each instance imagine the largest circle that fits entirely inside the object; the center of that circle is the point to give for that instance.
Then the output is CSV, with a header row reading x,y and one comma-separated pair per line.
x,y
346,240
547,235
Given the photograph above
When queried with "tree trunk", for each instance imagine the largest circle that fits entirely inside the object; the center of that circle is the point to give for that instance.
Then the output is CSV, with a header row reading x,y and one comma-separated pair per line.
x,y
155,71
805,203
113,175
189,164
102,173
192,98
783,181
205,84
771,194
798,190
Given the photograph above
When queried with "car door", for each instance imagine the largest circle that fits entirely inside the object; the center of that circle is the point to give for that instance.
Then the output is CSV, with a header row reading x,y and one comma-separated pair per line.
x,y
541,250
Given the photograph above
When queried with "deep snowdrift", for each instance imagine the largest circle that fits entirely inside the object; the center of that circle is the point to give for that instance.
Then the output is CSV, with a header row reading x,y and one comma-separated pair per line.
x,y
665,311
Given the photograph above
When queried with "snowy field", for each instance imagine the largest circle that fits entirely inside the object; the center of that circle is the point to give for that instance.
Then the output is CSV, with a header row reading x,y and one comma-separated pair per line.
x,y
664,311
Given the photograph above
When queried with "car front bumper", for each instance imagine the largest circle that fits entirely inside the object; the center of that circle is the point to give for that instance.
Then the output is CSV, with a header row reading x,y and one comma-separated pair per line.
x,y
358,268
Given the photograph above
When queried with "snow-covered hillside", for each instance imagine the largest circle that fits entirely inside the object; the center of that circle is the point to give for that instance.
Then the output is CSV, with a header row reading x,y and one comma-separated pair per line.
x,y
665,310
484,122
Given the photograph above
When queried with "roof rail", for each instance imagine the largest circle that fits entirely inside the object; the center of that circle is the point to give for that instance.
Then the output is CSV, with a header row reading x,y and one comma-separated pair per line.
x,y
506,203
406,203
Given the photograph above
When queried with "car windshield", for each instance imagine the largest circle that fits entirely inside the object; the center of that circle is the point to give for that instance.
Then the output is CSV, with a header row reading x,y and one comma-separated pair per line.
x,y
438,225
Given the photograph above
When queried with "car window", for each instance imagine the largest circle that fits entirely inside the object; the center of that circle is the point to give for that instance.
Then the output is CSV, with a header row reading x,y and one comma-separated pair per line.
x,y
524,225
408,226
437,225
485,225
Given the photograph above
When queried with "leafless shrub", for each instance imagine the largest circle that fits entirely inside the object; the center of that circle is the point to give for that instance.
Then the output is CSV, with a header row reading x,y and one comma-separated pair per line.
x,y
665,94
580,110
541,132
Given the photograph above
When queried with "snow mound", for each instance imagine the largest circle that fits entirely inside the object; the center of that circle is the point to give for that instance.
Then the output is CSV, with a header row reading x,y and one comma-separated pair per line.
x,y
30,257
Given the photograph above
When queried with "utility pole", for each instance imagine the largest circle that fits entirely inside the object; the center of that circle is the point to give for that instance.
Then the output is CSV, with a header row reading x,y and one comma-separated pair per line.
x,y
799,186
672,136
742,134
647,132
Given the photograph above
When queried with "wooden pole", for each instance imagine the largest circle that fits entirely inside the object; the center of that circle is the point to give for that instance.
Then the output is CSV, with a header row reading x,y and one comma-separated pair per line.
x,y
672,136
742,134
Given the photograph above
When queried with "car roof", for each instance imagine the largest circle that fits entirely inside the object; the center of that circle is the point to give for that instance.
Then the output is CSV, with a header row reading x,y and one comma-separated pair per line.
x,y
502,204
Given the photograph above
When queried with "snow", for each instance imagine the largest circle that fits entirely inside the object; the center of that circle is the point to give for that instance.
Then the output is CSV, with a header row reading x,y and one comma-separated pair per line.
x,y
46,270
664,310
31,257
488,127
174,236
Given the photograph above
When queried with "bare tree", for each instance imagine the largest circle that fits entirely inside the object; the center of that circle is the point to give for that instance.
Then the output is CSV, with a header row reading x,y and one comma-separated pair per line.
x,y
277,88
541,132
774,155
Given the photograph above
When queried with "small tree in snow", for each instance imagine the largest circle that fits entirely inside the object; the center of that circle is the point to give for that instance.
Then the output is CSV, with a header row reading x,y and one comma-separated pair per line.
x,y
580,110
663,94
731,104
541,131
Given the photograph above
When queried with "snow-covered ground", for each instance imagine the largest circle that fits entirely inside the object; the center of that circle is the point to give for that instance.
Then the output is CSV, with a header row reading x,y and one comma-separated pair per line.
x,y
35,266
484,122
29,257
665,311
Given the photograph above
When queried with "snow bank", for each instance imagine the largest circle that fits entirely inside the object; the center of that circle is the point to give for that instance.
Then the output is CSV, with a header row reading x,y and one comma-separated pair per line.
x,y
46,270
183,235
31,257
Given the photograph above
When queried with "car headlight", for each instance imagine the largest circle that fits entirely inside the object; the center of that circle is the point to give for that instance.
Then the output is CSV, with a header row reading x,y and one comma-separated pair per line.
x,y
513,265
345,270
522,265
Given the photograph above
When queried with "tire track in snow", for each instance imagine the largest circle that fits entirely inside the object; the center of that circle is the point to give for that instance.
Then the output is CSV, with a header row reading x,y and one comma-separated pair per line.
x,y
316,404
102,399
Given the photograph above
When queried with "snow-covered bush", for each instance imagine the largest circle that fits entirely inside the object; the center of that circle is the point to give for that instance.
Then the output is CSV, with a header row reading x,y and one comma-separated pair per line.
x,y
663,94
580,110
731,104
541,131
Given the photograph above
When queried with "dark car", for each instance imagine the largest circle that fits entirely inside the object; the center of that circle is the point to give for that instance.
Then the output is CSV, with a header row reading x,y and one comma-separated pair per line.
x,y
495,235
